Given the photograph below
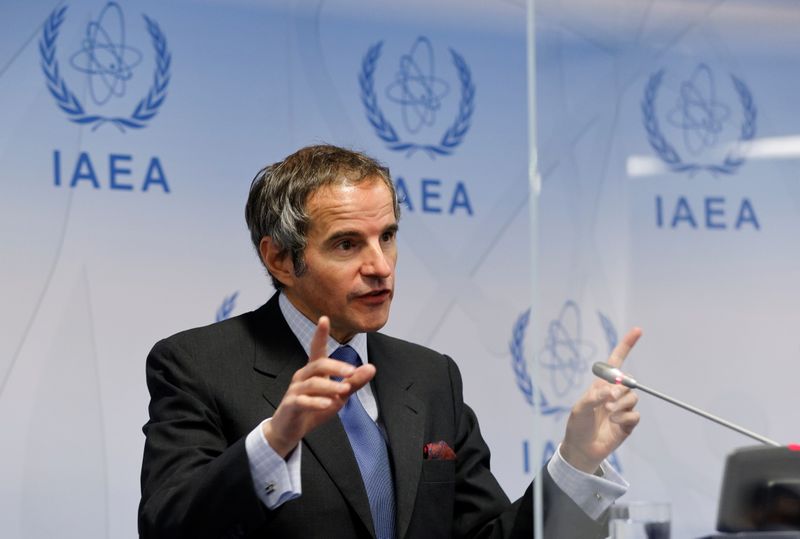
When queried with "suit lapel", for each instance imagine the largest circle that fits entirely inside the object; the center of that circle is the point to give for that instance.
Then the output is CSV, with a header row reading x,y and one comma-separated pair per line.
x,y
403,417
278,356
331,447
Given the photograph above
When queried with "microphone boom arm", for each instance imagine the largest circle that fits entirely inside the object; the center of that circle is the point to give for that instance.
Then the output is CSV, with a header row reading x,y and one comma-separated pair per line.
x,y
712,417
614,375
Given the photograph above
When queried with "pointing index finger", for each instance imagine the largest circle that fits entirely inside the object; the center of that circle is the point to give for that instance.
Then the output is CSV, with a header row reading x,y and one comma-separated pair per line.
x,y
319,343
622,349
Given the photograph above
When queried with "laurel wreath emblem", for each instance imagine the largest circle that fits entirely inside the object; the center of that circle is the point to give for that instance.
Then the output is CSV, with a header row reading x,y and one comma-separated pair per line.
x,y
227,306
520,365
524,380
733,160
68,102
384,129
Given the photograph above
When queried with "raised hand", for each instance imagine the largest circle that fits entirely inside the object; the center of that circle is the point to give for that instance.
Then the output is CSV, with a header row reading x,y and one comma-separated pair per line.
x,y
313,397
603,417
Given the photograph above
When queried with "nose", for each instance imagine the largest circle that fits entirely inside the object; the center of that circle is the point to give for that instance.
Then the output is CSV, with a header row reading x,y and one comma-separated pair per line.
x,y
377,262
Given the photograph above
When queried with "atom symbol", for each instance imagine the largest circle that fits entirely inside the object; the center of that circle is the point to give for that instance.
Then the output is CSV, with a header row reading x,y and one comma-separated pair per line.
x,y
565,353
697,112
105,58
417,88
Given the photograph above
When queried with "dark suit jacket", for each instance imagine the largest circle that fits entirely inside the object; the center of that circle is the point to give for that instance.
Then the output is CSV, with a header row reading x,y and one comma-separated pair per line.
x,y
211,386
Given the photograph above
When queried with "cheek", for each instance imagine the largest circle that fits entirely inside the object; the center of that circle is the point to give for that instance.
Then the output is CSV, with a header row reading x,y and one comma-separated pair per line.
x,y
391,259
334,284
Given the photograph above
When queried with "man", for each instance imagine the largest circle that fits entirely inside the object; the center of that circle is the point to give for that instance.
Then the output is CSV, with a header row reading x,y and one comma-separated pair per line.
x,y
256,431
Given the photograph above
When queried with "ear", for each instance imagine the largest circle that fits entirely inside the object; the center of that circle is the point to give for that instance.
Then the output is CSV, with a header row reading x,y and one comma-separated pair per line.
x,y
277,260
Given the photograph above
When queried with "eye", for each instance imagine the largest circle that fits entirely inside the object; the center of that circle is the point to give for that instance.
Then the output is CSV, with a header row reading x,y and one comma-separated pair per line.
x,y
388,236
344,245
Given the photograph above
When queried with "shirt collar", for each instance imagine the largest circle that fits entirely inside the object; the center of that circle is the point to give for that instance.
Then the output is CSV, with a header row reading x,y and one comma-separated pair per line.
x,y
303,329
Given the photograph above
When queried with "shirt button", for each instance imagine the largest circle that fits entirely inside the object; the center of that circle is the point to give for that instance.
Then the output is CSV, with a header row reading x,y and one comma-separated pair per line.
x,y
598,496
269,488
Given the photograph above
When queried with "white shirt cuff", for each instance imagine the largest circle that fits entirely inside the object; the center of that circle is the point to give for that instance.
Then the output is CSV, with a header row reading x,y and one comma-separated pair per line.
x,y
276,481
591,493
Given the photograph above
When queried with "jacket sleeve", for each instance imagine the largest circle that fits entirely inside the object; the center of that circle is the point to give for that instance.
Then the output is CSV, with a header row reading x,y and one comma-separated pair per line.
x,y
482,509
195,482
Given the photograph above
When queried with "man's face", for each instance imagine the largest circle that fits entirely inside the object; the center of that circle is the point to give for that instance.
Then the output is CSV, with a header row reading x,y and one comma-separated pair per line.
x,y
350,258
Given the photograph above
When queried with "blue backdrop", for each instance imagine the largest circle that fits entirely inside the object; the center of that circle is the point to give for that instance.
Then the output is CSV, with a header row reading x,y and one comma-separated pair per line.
x,y
669,156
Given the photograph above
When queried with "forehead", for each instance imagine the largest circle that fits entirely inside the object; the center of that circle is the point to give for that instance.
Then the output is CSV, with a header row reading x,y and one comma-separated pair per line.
x,y
366,203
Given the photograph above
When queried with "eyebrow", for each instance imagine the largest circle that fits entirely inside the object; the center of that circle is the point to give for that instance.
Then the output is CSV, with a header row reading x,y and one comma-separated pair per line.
x,y
342,234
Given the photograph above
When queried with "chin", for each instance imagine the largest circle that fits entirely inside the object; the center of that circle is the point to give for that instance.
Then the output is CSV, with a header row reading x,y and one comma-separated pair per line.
x,y
375,323
376,326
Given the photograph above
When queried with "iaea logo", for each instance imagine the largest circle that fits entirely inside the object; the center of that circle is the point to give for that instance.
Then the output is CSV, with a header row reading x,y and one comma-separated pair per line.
x,y
108,63
416,96
711,124
564,360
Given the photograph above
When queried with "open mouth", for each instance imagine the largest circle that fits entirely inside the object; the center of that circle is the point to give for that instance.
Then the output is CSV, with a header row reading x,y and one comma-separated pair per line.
x,y
376,296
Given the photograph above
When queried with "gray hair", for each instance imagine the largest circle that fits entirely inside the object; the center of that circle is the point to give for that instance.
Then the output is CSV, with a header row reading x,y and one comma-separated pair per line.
x,y
276,205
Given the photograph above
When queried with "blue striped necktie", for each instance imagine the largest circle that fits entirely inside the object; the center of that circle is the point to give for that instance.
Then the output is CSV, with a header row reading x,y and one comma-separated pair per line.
x,y
372,454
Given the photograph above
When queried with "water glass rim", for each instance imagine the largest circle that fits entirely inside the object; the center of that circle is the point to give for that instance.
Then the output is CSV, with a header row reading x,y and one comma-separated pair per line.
x,y
660,511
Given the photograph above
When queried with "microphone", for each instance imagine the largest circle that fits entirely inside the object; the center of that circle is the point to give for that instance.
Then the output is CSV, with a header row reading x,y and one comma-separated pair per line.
x,y
614,375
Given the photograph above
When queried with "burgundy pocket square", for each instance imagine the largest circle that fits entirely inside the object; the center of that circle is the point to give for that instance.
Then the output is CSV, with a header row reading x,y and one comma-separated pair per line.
x,y
438,451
